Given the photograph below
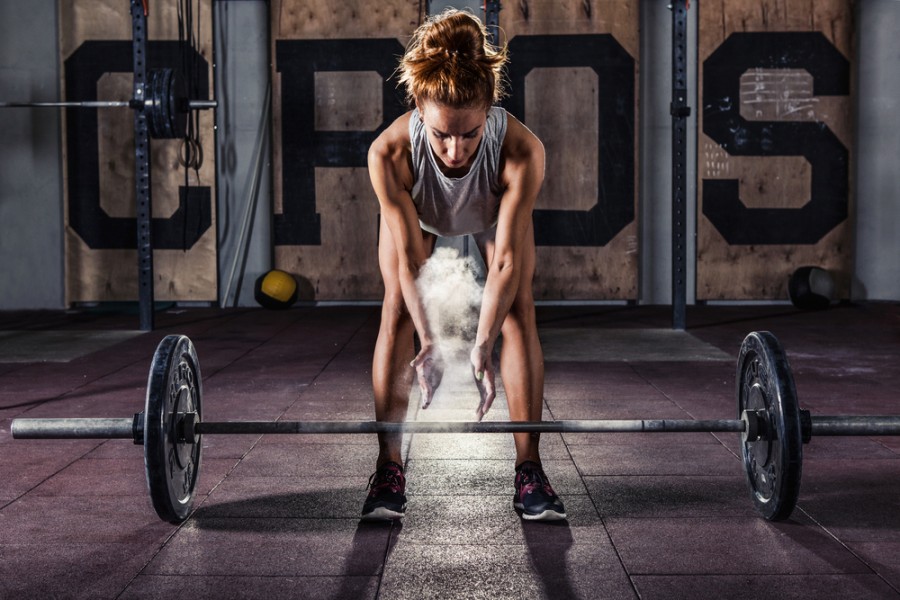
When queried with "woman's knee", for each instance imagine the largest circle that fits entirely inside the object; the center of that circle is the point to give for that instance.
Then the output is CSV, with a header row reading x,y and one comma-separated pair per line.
x,y
521,318
394,314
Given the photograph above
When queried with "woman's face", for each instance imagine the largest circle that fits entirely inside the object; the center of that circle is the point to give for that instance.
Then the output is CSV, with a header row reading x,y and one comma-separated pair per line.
x,y
454,133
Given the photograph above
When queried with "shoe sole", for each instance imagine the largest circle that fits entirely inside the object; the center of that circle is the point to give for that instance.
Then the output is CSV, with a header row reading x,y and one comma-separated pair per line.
x,y
547,515
382,514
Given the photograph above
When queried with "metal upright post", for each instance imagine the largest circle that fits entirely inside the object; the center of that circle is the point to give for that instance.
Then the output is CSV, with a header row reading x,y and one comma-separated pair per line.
x,y
142,167
492,20
680,111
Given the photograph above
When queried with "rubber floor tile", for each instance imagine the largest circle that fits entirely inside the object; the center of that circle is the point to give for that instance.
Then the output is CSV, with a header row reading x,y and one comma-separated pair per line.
x,y
118,402
655,460
480,446
24,467
286,497
857,500
121,477
70,571
676,496
606,344
270,458
336,410
287,369
827,449
492,520
273,548
530,570
83,519
161,587
763,585
488,477
707,546
883,558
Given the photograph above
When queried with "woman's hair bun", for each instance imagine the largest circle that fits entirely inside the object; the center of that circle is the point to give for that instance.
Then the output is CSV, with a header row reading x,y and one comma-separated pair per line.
x,y
450,60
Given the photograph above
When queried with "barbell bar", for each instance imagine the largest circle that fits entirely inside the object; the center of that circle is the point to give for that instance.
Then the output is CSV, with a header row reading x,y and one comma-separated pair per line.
x,y
137,104
773,428
166,105
124,428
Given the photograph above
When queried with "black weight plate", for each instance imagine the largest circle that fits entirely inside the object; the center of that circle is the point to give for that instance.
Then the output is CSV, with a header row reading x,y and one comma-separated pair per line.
x,y
168,105
178,106
154,103
172,465
772,463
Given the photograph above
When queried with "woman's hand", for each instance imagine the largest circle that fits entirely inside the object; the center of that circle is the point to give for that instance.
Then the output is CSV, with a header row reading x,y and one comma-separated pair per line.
x,y
429,366
483,371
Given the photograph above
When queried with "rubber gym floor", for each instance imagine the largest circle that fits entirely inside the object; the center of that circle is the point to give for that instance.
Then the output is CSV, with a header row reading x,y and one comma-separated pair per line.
x,y
651,515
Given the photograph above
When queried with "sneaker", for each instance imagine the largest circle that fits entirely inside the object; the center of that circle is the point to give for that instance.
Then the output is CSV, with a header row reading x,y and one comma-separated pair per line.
x,y
386,499
534,496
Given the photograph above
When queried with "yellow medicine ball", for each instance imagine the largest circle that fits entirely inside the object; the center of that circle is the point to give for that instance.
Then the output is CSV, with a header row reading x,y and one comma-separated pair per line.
x,y
276,289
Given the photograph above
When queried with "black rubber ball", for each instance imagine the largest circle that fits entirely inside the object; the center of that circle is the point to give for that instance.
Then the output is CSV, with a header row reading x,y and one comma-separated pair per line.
x,y
811,288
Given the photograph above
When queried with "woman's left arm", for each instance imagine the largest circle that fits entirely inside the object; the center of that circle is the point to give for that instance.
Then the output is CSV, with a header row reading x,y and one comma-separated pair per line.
x,y
522,175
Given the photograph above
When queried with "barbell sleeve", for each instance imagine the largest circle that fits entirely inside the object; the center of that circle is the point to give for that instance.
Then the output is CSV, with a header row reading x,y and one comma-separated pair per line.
x,y
36,429
193,104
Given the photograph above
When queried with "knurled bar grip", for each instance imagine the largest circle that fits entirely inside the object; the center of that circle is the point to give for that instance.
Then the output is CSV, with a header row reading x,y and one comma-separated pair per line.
x,y
844,425
123,428
573,426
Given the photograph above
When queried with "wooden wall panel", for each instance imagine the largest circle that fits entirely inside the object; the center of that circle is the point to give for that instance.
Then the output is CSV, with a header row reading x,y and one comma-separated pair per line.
x,y
330,99
774,125
587,121
325,211
101,264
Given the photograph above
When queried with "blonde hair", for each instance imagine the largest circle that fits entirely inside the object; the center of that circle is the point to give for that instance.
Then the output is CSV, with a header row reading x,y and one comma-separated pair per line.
x,y
449,60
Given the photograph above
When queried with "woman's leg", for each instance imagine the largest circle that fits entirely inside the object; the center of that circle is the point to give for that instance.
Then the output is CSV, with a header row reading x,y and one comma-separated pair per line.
x,y
392,377
521,357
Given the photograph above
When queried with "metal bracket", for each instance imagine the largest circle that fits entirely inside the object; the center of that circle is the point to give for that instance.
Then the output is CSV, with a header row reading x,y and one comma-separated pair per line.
x,y
137,429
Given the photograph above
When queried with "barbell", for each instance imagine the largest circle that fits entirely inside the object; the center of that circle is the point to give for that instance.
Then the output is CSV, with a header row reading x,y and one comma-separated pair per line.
x,y
772,425
165,104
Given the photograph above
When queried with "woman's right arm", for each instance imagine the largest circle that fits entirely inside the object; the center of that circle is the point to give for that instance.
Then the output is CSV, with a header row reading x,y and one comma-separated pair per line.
x,y
392,179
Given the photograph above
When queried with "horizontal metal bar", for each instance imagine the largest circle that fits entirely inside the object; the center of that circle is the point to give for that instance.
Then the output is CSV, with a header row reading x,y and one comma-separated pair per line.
x,y
202,104
124,428
36,429
194,104
574,426
844,425
86,104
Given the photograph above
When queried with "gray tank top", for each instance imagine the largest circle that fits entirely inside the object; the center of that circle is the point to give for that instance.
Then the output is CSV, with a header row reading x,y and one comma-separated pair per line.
x,y
449,206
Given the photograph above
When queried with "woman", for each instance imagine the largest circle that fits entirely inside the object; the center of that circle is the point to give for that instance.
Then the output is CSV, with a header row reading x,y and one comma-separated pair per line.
x,y
457,165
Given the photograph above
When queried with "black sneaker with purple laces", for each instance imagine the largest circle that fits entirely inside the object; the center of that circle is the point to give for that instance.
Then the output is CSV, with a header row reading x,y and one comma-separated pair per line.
x,y
386,499
534,495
